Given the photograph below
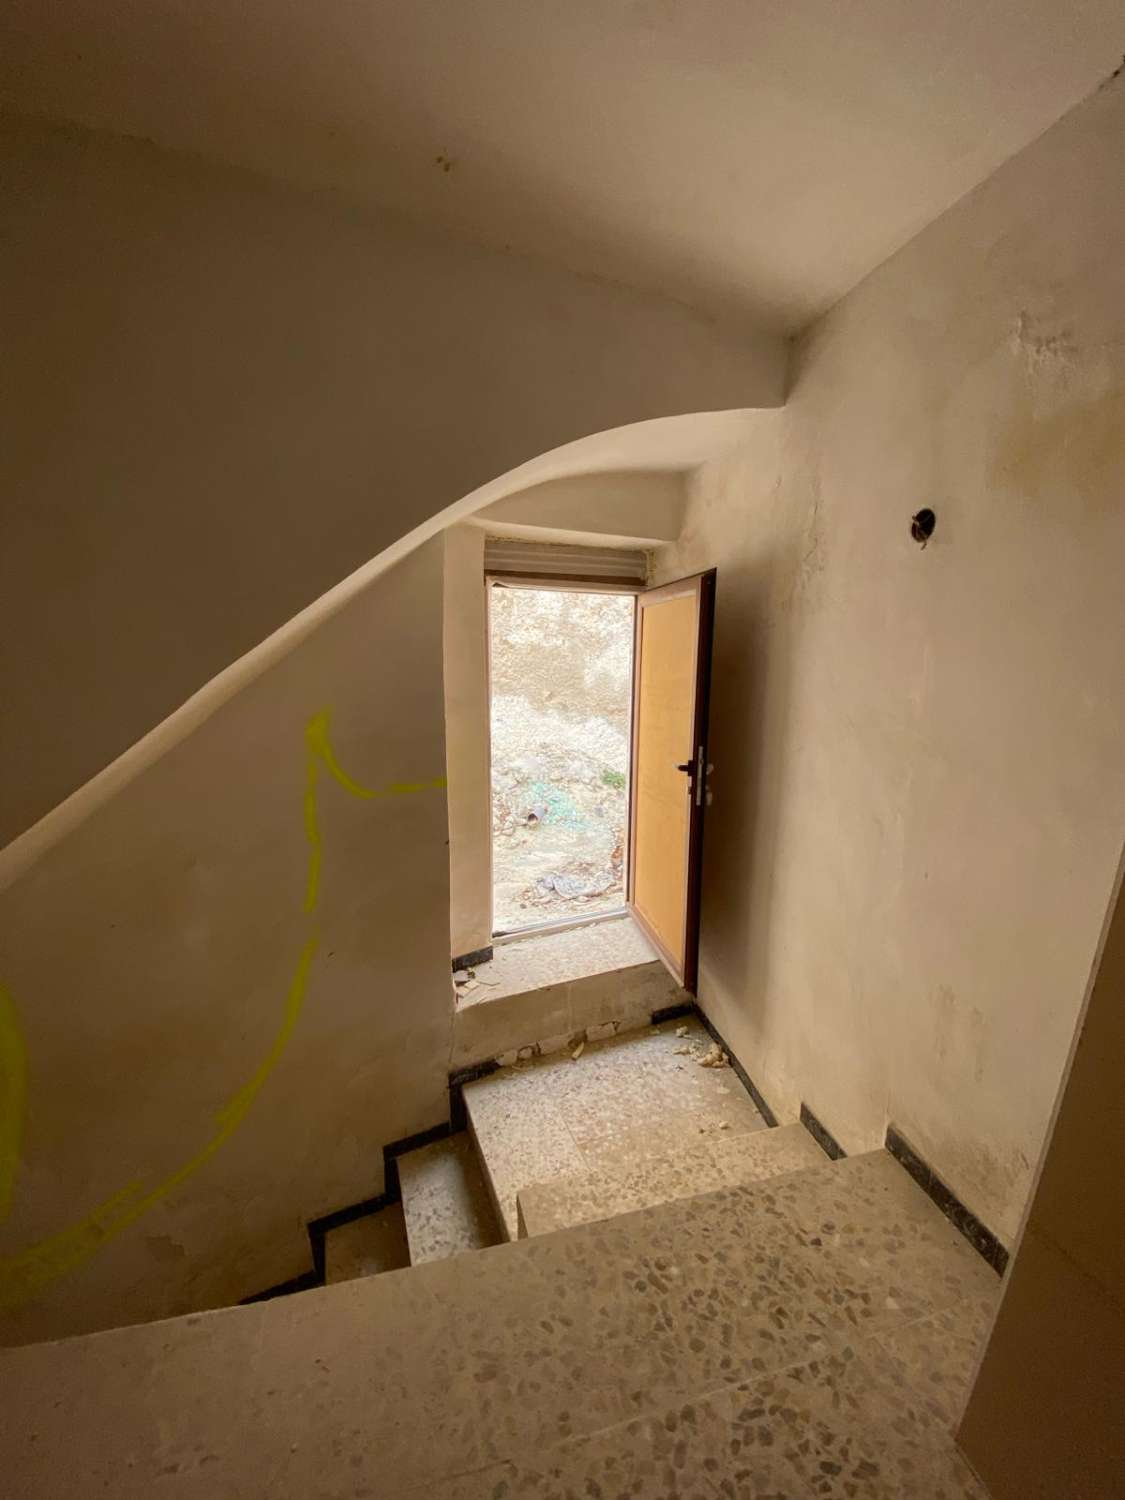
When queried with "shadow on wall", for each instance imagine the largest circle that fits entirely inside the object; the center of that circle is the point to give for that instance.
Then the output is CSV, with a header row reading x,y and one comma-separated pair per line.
x,y
226,395
179,1135
763,570
25,1274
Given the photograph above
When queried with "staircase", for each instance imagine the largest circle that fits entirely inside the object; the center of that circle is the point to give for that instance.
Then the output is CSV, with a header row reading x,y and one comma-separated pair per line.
x,y
687,1304
444,1209
561,1140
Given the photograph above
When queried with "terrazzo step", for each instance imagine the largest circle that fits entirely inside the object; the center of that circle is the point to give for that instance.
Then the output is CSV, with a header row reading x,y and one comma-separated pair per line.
x,y
729,1161
814,1334
445,1201
367,1246
542,990
621,1101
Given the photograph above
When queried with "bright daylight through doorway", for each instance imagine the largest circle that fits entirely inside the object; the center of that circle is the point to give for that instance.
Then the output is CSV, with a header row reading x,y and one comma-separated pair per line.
x,y
561,667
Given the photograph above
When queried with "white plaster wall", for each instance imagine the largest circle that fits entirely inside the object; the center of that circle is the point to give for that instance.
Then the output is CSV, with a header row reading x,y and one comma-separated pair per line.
x,y
919,791
1044,1415
221,395
627,507
150,954
467,746
758,158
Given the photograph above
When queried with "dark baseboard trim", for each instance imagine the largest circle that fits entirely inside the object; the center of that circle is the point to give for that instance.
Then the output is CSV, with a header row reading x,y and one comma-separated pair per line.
x,y
740,1072
341,1216
462,1076
824,1138
303,1283
674,1012
458,1119
470,960
982,1239
392,1191
318,1228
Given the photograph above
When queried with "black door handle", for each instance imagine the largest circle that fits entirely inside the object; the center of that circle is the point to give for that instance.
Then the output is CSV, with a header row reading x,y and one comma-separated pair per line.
x,y
687,766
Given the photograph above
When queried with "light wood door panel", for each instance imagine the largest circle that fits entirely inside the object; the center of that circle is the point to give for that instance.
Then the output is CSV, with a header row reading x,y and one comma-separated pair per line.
x,y
671,668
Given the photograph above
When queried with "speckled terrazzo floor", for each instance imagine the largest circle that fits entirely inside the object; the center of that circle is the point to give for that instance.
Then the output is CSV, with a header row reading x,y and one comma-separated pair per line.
x,y
445,1200
543,991
700,1167
624,1101
541,959
808,1336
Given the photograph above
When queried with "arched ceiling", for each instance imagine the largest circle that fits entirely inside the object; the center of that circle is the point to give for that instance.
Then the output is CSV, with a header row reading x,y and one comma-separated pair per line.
x,y
755,158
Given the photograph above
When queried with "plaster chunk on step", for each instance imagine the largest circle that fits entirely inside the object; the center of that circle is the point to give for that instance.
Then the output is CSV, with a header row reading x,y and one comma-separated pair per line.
x,y
603,1032
560,1043
714,1057
516,1055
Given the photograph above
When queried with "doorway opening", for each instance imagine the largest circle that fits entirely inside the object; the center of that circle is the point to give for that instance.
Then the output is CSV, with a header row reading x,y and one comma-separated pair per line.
x,y
561,686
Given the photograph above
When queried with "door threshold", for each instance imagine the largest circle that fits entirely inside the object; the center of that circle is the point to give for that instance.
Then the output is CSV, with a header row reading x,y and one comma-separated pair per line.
x,y
558,924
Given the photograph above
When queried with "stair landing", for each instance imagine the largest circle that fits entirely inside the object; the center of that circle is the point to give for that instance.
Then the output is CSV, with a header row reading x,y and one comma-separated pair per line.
x,y
542,989
727,1161
622,1101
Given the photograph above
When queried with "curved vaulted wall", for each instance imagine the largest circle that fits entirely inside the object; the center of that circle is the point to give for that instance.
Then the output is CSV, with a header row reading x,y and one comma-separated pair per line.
x,y
223,395
224,958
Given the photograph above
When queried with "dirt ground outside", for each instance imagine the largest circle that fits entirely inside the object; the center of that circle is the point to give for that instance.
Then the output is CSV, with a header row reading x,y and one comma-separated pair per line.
x,y
561,667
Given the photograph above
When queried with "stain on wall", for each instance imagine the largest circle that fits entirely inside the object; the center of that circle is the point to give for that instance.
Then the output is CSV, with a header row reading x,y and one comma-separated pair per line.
x,y
918,787
13,1091
26,1273
210,975
1044,1416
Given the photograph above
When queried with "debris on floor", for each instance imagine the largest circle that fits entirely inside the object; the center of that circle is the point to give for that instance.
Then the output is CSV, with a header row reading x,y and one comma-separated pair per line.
x,y
467,980
577,1053
681,1031
714,1057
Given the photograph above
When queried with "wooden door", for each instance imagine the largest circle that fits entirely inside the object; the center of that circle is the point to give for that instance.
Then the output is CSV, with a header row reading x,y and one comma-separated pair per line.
x,y
671,674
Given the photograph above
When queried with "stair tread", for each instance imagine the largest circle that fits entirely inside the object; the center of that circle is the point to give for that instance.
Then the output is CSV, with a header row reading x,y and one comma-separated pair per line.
x,y
556,1355
625,1099
700,1167
445,1200
367,1246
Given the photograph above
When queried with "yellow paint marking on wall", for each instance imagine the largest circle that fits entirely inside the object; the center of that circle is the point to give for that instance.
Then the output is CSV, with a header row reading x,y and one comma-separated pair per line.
x,y
316,737
26,1273
312,834
13,1092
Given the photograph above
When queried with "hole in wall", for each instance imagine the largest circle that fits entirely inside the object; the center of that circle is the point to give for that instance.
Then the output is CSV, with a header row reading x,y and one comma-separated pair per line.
x,y
922,526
